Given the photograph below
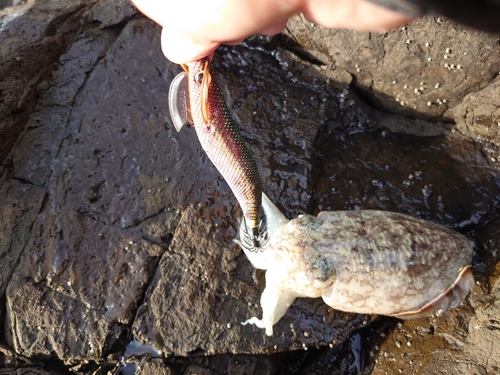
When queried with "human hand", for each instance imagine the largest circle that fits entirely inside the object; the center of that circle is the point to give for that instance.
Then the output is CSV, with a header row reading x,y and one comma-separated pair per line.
x,y
193,29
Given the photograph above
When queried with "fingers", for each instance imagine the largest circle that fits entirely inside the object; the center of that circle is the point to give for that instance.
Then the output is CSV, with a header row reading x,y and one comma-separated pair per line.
x,y
193,29
181,48
352,14
274,29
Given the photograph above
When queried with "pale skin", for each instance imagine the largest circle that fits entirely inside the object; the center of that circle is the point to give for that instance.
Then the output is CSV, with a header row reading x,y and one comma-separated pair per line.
x,y
193,29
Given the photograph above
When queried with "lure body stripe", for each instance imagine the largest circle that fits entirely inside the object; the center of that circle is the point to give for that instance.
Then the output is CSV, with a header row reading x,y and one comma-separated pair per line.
x,y
220,138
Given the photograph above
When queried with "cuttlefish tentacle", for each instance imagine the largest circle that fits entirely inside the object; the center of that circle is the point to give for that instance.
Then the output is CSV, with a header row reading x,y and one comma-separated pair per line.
x,y
274,304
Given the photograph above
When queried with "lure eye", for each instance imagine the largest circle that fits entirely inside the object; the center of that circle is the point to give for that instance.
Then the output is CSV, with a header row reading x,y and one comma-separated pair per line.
x,y
199,77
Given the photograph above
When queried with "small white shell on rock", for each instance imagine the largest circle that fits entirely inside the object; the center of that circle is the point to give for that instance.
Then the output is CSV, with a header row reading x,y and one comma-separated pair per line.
x,y
369,262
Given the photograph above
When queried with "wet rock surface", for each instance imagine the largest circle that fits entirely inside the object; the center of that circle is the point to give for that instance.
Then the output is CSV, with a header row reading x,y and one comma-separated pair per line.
x,y
422,70
116,227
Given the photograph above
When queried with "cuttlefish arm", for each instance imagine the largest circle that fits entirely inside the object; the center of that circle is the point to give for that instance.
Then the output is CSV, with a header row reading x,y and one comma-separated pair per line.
x,y
276,297
275,301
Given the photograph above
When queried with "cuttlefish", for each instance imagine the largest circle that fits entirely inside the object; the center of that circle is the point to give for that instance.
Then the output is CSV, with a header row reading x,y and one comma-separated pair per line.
x,y
368,262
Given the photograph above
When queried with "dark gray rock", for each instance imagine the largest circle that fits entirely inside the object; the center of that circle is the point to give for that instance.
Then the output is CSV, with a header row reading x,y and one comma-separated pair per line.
x,y
9,361
29,49
153,368
79,274
421,70
449,180
5,4
63,303
478,115
29,371
20,203
117,226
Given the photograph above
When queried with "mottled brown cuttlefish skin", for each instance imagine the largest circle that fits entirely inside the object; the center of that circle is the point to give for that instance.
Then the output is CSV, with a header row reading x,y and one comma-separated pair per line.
x,y
368,262
384,262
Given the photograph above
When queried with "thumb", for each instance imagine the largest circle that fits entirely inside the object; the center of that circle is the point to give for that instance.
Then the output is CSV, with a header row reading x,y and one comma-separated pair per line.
x,y
181,48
